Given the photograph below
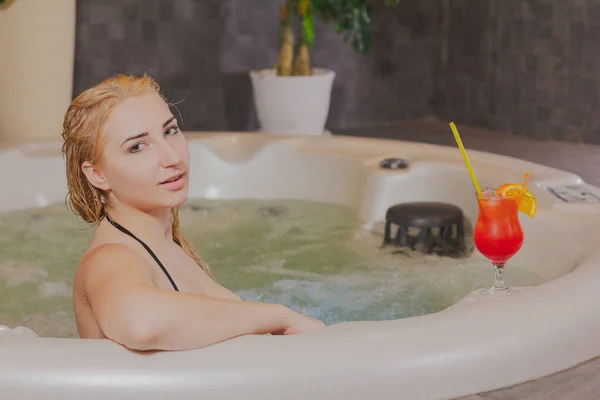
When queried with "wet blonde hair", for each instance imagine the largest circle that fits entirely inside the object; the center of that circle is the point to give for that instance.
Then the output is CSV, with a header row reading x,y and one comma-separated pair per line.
x,y
82,135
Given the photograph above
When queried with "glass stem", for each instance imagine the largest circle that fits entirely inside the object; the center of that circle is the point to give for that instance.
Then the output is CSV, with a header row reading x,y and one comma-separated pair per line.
x,y
498,279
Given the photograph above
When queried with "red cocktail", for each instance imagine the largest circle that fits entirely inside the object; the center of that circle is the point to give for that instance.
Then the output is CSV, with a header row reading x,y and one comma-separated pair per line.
x,y
497,233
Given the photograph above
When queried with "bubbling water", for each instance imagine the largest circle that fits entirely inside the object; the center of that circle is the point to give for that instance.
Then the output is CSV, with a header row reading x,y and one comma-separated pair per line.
x,y
313,257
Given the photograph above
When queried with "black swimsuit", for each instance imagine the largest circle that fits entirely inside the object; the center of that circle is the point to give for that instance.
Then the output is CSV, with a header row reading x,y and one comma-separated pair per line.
x,y
125,231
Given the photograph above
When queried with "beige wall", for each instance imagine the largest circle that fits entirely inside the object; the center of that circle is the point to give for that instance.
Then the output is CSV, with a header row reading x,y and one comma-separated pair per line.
x,y
37,41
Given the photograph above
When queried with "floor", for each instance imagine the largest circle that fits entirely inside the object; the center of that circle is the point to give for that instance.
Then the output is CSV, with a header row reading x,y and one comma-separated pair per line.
x,y
578,383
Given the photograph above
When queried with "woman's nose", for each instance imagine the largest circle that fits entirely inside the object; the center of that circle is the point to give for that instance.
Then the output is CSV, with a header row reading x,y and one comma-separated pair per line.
x,y
169,155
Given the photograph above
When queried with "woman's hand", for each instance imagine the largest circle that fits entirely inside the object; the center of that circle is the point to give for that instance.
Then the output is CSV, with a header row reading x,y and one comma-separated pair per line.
x,y
299,323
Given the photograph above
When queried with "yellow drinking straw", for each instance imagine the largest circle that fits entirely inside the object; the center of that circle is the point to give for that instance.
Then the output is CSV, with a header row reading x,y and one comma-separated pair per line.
x,y
465,157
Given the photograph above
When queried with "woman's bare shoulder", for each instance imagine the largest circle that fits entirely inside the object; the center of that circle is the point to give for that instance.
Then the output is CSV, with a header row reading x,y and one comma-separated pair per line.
x,y
106,258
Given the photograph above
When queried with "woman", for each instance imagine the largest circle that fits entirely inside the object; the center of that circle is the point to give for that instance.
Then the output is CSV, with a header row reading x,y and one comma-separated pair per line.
x,y
140,283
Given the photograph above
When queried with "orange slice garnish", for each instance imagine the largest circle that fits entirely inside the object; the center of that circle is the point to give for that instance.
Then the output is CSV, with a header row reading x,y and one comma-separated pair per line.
x,y
527,202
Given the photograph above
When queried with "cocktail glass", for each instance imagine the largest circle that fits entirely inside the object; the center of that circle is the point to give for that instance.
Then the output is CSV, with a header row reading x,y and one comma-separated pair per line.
x,y
497,234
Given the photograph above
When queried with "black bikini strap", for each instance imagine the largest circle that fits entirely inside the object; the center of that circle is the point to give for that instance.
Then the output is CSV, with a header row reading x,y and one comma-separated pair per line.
x,y
125,231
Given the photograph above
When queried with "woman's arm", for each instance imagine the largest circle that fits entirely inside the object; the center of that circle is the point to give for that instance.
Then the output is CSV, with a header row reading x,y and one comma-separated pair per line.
x,y
133,312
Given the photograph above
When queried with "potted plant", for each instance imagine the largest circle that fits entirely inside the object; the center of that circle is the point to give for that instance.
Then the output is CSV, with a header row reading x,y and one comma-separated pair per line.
x,y
294,97
37,38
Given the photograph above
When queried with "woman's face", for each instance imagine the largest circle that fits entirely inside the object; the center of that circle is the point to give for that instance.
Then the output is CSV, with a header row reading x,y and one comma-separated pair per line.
x,y
145,160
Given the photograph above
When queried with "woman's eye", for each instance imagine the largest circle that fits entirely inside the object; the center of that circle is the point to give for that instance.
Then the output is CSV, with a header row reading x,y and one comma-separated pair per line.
x,y
135,148
172,130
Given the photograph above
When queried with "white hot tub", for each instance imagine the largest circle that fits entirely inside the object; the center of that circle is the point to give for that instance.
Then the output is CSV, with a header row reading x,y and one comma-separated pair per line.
x,y
473,346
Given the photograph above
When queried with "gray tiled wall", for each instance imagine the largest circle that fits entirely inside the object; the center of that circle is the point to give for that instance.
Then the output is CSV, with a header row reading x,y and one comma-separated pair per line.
x,y
527,67
200,52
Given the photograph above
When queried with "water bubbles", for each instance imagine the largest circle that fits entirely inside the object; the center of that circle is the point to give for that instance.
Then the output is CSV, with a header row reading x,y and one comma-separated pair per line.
x,y
15,273
275,211
50,289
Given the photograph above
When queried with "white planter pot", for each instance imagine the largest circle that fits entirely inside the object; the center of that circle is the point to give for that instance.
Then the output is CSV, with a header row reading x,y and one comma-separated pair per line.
x,y
296,105
37,42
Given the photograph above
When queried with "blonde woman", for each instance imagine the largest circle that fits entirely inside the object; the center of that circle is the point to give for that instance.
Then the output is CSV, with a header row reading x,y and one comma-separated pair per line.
x,y
140,283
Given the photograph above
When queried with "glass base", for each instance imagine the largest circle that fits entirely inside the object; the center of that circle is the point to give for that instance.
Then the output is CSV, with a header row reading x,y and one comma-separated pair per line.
x,y
481,296
495,293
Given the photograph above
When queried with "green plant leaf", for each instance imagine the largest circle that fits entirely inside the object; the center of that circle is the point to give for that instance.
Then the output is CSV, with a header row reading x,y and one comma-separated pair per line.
x,y
351,18
306,14
307,26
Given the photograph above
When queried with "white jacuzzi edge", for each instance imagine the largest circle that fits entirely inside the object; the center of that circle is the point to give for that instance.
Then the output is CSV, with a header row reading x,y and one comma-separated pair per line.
x,y
456,352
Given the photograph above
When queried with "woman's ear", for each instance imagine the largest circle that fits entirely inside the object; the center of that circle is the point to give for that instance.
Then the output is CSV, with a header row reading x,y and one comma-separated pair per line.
x,y
95,176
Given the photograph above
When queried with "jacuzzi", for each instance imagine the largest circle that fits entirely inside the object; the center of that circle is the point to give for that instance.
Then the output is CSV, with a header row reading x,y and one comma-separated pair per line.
x,y
476,345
